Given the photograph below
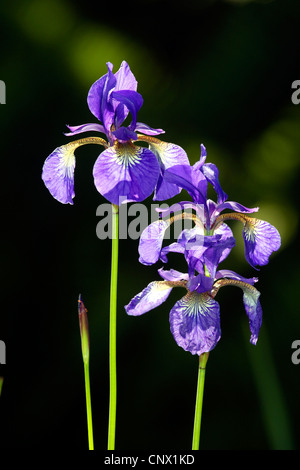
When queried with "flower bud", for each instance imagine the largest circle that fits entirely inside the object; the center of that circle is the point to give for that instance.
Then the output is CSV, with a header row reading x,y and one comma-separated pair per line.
x,y
84,331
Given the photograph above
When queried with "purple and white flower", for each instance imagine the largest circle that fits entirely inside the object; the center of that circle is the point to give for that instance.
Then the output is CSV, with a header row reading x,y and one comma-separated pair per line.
x,y
123,171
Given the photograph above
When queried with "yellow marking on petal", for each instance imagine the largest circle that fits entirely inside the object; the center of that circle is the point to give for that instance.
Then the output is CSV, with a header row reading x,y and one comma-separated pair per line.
x,y
127,154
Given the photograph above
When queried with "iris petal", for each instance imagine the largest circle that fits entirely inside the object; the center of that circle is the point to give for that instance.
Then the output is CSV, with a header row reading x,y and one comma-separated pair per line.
x,y
126,171
253,310
98,97
168,155
151,241
195,323
152,296
85,128
261,239
58,173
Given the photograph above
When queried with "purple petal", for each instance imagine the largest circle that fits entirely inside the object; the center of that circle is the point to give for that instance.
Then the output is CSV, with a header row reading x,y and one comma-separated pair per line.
x,y
194,182
132,100
226,273
211,173
147,130
58,173
195,323
152,296
125,78
235,206
85,128
123,134
261,239
126,171
98,98
151,241
253,310
173,275
168,155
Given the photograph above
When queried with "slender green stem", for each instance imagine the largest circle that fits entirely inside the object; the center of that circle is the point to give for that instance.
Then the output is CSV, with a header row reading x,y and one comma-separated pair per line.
x,y
88,406
199,400
113,329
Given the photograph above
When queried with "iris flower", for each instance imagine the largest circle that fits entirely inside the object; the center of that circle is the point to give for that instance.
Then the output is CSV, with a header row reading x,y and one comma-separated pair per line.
x,y
195,318
261,238
123,170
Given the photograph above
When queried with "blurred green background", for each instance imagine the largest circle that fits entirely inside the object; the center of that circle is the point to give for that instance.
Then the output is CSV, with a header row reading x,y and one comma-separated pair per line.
x,y
212,72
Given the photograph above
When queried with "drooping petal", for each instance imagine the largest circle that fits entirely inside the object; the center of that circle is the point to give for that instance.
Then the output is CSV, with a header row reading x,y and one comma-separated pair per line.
x,y
168,155
85,128
261,239
195,323
152,296
147,130
253,310
151,241
58,173
250,298
126,171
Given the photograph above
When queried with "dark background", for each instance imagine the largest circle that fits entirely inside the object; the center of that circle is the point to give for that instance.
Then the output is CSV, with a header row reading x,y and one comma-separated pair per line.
x,y
217,72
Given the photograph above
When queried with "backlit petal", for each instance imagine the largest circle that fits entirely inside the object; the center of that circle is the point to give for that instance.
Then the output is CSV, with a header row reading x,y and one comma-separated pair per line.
x,y
195,323
85,128
261,239
151,241
126,171
168,155
253,310
152,296
58,173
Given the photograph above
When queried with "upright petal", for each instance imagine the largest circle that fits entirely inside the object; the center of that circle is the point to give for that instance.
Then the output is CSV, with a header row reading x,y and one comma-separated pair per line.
x,y
195,323
194,182
152,296
98,97
58,173
125,78
261,239
126,171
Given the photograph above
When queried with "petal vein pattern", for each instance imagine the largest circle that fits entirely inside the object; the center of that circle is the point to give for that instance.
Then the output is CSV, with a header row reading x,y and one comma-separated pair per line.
x,y
195,323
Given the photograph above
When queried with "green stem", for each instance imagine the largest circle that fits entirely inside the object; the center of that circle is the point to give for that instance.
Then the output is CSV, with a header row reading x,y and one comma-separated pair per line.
x,y
113,329
199,400
88,406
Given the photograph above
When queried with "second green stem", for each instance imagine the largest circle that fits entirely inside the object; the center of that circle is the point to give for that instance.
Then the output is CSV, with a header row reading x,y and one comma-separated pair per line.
x,y
199,400
113,329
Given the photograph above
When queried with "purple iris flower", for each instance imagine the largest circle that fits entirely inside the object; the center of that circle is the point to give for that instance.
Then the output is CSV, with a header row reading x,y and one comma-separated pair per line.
x,y
123,171
261,239
195,318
